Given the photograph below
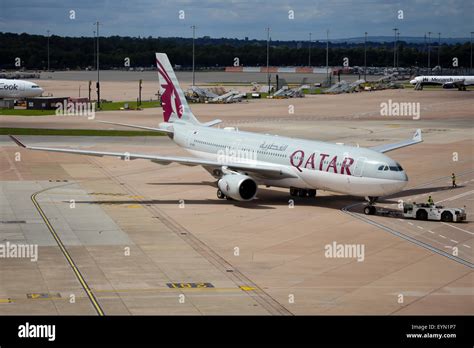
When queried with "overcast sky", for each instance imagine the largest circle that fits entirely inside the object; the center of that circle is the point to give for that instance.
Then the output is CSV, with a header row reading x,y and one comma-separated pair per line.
x,y
239,18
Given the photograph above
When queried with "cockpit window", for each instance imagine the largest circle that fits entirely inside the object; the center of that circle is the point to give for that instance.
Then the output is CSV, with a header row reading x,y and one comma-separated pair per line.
x,y
35,86
395,168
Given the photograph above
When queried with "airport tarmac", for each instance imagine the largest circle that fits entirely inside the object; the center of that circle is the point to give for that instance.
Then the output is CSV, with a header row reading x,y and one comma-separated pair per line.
x,y
134,237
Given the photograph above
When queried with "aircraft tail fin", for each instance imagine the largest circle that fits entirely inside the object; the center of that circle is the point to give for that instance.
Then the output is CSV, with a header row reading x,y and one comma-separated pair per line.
x,y
174,104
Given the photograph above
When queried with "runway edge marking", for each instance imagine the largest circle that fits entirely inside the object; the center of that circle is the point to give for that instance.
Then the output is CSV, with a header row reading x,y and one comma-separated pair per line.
x,y
66,254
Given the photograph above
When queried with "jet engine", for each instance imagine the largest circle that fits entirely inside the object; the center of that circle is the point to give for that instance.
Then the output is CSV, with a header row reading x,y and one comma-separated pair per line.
x,y
238,186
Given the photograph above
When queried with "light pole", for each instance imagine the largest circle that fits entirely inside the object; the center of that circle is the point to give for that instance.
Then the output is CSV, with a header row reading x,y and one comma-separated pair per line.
x,y
327,56
309,48
48,48
98,68
429,51
365,56
268,58
94,47
470,66
193,27
398,50
394,47
439,47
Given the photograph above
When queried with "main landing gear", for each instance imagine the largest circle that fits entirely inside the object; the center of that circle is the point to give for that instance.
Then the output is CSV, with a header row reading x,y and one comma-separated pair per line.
x,y
221,195
298,192
369,209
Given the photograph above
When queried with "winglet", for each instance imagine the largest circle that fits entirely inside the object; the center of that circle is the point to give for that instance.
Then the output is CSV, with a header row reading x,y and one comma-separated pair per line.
x,y
18,142
417,136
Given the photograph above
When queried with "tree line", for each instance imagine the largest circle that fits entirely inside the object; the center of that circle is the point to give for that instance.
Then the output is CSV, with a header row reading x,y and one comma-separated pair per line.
x,y
79,52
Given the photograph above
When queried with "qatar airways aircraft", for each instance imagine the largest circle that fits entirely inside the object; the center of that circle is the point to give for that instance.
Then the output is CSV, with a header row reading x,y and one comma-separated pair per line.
x,y
241,161
16,89
459,82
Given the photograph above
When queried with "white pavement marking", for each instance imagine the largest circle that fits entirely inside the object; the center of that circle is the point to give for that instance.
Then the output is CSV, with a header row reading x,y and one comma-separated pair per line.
x,y
454,241
467,246
421,228
410,223
12,166
457,196
430,231
442,236
460,229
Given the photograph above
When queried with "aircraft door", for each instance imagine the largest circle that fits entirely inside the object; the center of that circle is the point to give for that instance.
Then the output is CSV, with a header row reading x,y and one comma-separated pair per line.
x,y
359,166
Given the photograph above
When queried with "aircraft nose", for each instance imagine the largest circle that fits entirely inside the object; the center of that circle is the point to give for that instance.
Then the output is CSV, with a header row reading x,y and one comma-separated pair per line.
x,y
399,185
403,176
396,186
413,82
403,180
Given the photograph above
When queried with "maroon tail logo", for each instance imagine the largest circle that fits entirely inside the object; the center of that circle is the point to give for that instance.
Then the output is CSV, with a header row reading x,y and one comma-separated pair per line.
x,y
170,100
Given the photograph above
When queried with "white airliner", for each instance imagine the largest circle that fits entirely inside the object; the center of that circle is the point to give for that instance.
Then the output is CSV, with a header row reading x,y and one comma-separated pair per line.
x,y
242,160
19,89
459,82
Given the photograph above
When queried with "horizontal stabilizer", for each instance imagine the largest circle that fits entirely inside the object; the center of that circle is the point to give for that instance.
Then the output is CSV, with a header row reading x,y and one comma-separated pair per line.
x,y
139,127
211,123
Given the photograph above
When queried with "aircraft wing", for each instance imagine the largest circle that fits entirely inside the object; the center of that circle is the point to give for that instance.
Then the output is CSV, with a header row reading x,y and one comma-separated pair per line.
x,y
390,147
454,83
139,127
259,169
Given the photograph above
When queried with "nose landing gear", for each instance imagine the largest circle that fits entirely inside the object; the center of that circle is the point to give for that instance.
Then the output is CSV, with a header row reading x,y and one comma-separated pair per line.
x,y
370,209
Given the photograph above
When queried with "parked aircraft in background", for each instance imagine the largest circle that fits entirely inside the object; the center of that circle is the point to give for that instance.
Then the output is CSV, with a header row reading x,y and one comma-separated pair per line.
x,y
459,82
18,89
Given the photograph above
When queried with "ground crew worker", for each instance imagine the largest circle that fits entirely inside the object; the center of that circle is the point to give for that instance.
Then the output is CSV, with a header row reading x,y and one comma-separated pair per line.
x,y
430,201
453,178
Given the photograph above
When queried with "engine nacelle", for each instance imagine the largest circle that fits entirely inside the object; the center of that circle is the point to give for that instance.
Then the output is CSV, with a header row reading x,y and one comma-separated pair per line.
x,y
238,186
